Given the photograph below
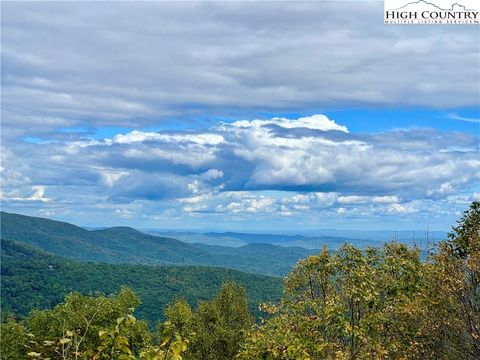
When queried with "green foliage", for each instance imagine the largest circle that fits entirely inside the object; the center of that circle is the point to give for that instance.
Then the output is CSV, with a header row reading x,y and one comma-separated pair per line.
x,y
99,327
465,237
72,328
13,340
89,327
341,306
379,304
218,325
449,305
44,280
171,345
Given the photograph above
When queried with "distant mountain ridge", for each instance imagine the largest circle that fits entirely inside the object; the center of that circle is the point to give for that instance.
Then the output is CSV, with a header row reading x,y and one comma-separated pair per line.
x,y
256,238
312,239
126,245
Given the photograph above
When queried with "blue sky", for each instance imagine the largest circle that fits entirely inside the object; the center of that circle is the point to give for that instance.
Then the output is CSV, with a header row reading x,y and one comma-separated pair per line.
x,y
237,116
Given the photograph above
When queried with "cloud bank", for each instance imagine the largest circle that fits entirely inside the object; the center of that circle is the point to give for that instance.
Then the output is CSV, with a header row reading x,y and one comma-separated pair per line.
x,y
68,64
277,166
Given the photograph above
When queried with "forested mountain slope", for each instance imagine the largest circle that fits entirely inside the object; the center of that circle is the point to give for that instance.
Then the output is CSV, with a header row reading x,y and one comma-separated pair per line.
x,y
31,278
126,245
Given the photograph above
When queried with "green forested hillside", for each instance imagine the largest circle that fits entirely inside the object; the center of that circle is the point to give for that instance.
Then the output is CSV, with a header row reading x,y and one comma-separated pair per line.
x,y
113,245
257,258
33,279
121,245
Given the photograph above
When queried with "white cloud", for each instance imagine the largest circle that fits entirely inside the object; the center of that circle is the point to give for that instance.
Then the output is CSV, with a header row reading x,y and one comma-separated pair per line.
x,y
124,213
109,177
355,199
401,209
316,122
462,118
211,174
38,195
139,136
250,205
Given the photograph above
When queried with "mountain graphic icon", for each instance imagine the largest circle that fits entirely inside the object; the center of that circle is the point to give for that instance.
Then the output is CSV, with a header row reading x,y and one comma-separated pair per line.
x,y
427,4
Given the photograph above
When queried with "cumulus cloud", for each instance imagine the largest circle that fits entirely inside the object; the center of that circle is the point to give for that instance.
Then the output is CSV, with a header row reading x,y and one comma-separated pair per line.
x,y
315,122
401,209
314,162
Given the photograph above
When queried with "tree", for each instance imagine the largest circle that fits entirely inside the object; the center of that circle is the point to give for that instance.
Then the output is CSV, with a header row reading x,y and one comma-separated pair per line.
x,y
218,325
83,317
87,327
343,306
450,302
380,303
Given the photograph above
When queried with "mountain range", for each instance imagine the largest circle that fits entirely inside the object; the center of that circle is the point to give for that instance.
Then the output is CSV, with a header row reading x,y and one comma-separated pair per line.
x,y
315,239
124,245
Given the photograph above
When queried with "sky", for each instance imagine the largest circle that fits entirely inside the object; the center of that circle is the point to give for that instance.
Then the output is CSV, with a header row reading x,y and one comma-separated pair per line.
x,y
244,116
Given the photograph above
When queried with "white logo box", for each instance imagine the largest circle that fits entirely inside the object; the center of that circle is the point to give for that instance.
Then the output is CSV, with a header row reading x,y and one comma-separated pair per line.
x,y
441,12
